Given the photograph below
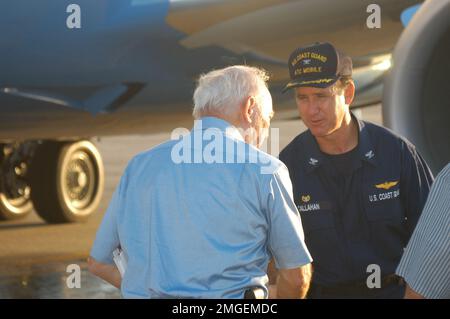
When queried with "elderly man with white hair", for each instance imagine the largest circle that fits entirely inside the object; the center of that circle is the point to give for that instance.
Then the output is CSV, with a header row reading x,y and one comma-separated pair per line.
x,y
201,216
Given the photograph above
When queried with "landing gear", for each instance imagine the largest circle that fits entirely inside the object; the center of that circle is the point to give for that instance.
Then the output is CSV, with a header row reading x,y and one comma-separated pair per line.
x,y
63,181
66,180
15,202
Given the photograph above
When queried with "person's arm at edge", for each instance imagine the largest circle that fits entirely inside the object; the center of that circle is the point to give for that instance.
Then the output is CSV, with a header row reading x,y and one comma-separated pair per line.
x,y
293,283
411,294
107,272
100,262
433,215
293,277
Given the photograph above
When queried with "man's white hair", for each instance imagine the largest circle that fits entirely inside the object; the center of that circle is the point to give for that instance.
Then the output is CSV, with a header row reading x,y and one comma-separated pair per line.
x,y
222,91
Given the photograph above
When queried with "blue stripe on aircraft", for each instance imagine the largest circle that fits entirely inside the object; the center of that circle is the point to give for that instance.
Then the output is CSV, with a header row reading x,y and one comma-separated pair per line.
x,y
407,14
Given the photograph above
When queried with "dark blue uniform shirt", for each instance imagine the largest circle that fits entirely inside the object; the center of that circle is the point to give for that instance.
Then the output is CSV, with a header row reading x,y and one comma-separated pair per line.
x,y
357,208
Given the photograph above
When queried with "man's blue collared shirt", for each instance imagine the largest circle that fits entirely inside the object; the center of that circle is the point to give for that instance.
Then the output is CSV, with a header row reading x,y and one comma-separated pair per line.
x,y
202,229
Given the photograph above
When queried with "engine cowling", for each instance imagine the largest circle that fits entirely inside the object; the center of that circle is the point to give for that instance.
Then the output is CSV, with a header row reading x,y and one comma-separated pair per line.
x,y
416,98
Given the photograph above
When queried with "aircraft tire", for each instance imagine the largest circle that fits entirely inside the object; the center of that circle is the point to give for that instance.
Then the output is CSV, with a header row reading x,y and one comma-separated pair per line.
x,y
12,207
67,180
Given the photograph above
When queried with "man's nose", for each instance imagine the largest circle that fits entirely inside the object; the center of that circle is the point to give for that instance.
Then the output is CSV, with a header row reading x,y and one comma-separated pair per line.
x,y
312,106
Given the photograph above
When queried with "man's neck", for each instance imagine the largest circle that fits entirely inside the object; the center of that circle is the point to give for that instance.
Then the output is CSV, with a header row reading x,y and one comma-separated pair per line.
x,y
342,140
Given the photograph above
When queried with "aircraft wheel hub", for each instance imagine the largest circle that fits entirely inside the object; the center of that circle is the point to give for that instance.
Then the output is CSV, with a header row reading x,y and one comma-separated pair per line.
x,y
80,173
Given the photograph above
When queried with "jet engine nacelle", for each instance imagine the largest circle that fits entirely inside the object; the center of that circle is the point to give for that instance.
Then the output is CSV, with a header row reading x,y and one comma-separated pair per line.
x,y
416,101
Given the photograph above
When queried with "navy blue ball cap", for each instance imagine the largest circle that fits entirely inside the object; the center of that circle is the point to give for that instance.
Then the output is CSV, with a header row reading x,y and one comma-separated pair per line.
x,y
317,65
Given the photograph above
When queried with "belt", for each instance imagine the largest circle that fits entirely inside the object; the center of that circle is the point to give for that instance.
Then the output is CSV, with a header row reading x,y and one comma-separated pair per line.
x,y
359,286
254,293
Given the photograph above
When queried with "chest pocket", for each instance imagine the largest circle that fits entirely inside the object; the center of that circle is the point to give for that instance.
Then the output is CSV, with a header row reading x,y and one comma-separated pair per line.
x,y
313,203
316,216
382,201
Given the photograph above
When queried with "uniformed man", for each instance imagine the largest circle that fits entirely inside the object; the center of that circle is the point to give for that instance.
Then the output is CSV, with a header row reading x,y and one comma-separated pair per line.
x,y
201,216
359,187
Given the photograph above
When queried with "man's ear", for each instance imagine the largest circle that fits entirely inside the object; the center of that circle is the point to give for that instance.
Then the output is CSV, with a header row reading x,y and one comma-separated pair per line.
x,y
247,109
349,92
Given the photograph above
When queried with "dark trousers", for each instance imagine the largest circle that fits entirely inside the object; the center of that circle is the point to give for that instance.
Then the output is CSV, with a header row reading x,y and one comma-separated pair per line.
x,y
391,290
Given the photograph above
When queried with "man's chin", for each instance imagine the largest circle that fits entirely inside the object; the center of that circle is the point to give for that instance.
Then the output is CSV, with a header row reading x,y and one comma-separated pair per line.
x,y
318,133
